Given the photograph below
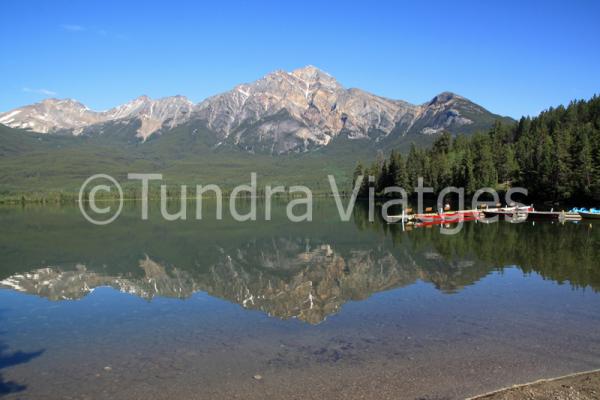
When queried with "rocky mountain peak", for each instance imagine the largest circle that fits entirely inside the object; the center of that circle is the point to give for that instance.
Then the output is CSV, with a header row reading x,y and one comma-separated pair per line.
x,y
53,102
278,113
166,112
445,97
51,115
313,75
309,71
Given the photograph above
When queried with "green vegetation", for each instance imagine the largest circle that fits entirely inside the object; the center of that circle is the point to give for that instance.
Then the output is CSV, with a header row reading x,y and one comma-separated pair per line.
x,y
555,155
50,169
44,168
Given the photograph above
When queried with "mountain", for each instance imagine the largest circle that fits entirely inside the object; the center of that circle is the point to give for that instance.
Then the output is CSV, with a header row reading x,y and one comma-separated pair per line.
x,y
283,279
70,117
280,113
291,128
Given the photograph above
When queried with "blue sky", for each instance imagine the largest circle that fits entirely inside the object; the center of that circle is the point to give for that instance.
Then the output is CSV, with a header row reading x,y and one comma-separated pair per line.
x,y
513,58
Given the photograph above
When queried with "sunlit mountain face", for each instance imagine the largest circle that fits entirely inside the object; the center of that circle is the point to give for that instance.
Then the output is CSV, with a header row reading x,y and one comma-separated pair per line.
x,y
279,113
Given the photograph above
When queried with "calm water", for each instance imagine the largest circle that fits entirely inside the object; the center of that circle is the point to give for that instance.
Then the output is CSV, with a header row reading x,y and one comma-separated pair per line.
x,y
326,309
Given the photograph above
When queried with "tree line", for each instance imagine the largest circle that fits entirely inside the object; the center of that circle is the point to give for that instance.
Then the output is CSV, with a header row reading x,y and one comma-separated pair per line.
x,y
566,255
555,156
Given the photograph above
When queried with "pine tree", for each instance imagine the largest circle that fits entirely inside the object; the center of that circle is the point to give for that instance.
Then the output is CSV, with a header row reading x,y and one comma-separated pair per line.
x,y
413,166
583,167
358,171
555,155
465,176
483,165
393,168
401,176
383,179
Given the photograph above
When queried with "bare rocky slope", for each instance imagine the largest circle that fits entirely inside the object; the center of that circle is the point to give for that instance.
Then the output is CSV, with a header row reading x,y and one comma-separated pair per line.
x,y
280,113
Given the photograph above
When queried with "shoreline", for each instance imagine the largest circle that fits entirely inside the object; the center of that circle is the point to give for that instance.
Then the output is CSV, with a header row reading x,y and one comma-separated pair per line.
x,y
578,385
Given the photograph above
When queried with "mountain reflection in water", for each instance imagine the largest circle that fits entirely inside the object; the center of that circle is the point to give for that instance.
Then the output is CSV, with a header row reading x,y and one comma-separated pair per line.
x,y
305,271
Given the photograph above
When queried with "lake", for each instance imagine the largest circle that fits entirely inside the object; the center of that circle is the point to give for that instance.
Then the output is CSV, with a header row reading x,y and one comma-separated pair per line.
x,y
273,309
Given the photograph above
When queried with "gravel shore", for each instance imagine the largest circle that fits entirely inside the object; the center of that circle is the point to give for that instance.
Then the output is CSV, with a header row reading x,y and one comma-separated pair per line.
x,y
582,386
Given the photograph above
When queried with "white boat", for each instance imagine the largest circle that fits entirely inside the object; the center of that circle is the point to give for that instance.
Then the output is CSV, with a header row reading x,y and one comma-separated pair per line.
x,y
589,215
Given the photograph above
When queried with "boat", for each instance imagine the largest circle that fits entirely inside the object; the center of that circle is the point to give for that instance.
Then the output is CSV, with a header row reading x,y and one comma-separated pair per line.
x,y
508,212
516,214
589,214
448,217
518,218
592,213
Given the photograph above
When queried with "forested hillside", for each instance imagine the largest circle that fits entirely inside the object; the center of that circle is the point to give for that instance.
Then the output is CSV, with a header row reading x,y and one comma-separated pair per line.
x,y
555,155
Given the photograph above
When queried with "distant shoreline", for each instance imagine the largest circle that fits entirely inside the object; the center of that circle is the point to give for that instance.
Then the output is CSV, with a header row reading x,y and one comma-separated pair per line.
x,y
70,198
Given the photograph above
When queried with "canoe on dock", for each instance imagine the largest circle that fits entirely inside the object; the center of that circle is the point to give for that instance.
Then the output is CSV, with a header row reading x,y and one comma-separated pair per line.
x,y
450,216
512,214
437,218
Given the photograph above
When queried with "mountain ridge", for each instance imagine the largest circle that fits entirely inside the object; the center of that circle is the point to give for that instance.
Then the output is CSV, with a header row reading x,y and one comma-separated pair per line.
x,y
279,113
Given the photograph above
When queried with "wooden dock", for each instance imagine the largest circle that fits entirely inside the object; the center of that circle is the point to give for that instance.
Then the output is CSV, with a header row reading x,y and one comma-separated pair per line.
x,y
514,214
529,213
